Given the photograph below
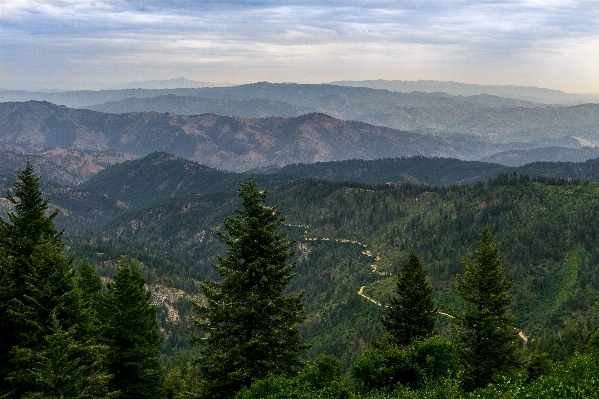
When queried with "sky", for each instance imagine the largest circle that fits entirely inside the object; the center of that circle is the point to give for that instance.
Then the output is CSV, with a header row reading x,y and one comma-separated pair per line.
x,y
96,43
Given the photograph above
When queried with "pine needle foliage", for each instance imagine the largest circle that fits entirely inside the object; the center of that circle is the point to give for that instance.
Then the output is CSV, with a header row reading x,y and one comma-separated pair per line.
x,y
484,331
132,336
61,370
412,312
31,223
250,326
38,290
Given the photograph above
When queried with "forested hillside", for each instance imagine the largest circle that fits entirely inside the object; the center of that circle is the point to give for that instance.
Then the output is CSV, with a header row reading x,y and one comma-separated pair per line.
x,y
431,171
351,240
353,237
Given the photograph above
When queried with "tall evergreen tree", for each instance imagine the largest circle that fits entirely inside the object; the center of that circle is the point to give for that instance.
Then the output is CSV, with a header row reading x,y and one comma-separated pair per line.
x,y
251,327
484,331
37,287
90,287
61,370
412,312
132,336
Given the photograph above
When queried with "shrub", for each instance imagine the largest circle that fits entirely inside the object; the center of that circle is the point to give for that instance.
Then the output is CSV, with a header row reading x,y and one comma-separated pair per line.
x,y
419,364
322,379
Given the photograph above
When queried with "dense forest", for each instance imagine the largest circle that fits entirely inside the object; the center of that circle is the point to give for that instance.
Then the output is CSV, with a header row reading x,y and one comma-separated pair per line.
x,y
346,249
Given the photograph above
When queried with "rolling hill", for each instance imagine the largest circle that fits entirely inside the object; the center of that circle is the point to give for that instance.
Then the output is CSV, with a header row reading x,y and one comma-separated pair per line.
x,y
483,116
235,144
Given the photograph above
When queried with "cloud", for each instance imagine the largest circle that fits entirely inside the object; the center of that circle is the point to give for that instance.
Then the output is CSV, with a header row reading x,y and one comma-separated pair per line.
x,y
438,38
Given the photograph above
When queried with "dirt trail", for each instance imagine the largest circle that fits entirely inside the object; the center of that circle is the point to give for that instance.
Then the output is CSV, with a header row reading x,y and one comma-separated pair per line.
x,y
375,270
363,295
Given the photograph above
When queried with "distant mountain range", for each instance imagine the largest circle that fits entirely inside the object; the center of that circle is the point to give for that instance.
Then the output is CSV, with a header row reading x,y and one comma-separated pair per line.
x,y
554,154
189,105
303,95
65,86
235,144
480,117
174,83
62,166
527,93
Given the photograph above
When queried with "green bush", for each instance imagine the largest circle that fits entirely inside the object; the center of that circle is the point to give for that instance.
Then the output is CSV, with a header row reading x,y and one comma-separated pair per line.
x,y
321,373
272,388
420,363
577,379
322,379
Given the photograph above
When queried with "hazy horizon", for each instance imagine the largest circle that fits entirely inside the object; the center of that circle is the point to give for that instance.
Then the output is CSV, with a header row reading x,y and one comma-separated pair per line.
x,y
169,84
69,44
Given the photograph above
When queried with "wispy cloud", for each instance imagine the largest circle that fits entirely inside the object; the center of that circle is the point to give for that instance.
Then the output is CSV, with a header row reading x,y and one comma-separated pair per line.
x,y
480,41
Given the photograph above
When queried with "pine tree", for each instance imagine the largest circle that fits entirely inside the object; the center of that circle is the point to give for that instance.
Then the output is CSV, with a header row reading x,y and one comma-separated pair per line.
x,y
25,229
90,287
60,368
88,281
37,285
251,327
412,312
132,336
486,338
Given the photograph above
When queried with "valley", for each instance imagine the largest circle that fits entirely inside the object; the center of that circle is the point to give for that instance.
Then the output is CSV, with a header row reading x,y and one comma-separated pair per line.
x,y
150,210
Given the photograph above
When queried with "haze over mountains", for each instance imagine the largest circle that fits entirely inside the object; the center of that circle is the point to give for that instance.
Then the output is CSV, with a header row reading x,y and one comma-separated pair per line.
x,y
483,116
235,144
527,93
262,124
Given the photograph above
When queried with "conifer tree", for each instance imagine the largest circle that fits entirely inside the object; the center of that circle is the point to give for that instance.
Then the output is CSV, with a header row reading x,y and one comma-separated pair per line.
x,y
60,368
90,287
88,281
251,327
412,312
484,331
132,336
37,287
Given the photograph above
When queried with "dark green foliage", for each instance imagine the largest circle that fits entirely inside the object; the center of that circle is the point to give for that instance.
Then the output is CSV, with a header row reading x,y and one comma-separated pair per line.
x,y
537,364
412,312
180,376
132,335
29,225
424,170
576,378
250,325
484,331
320,378
157,176
93,303
49,290
88,280
573,337
549,248
62,367
38,291
416,365
592,344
